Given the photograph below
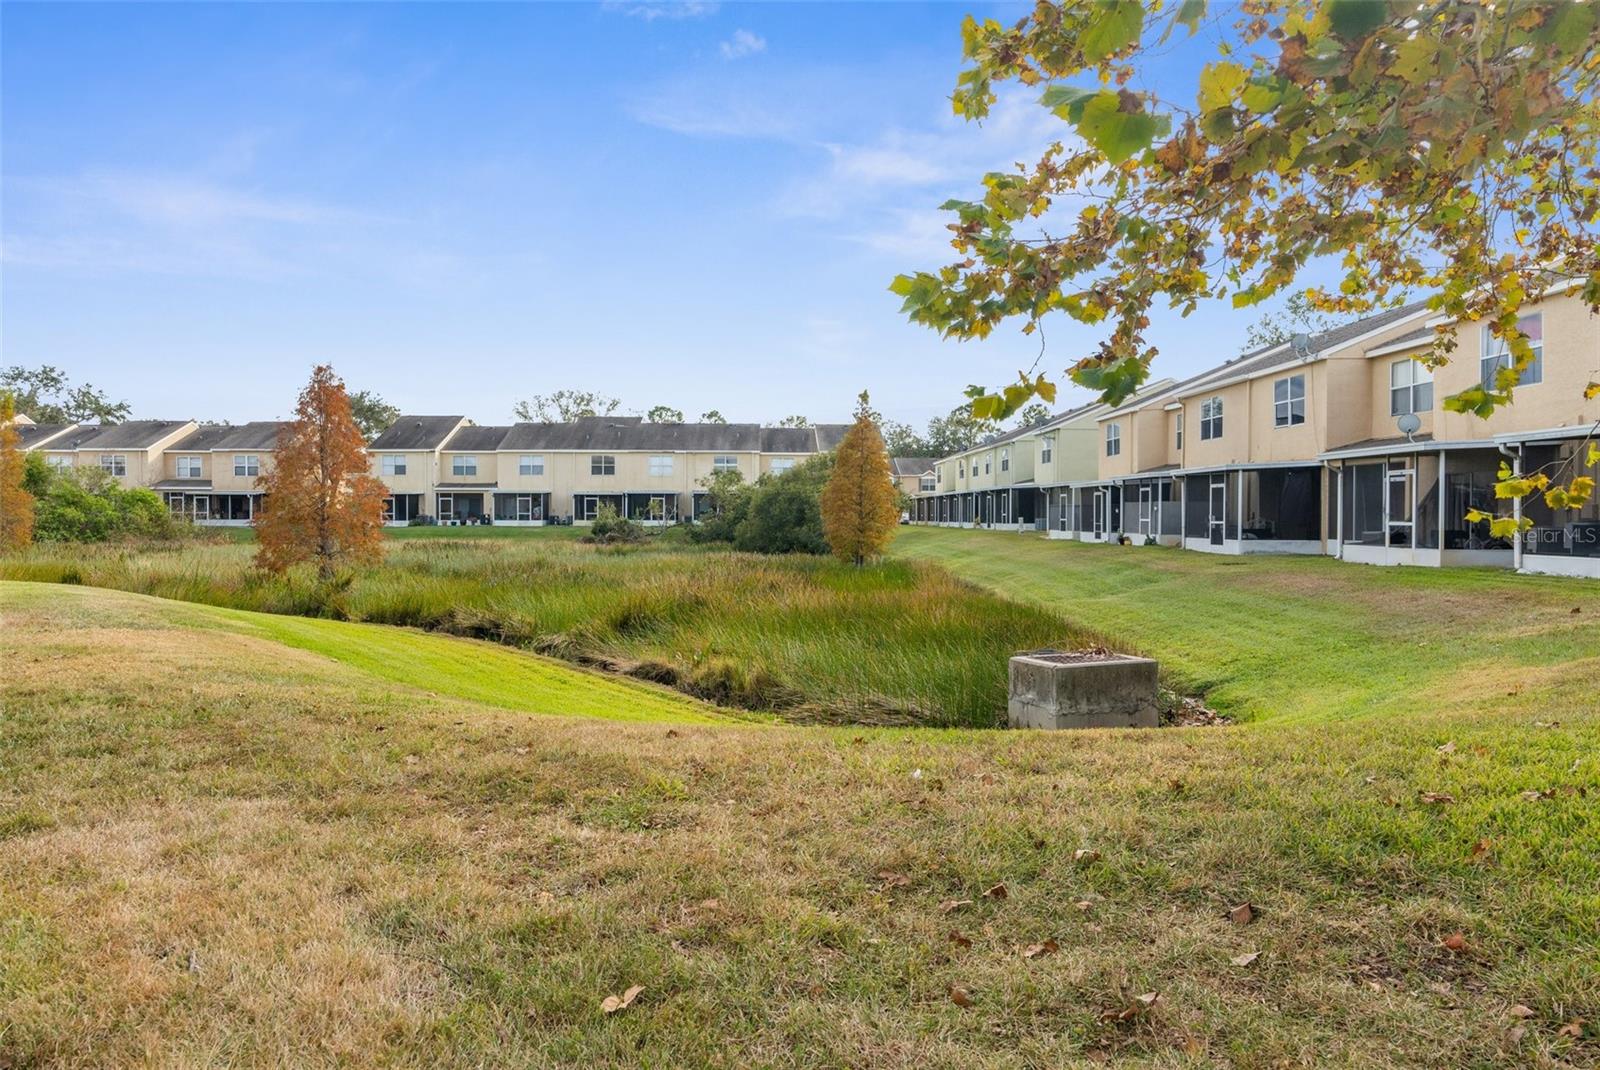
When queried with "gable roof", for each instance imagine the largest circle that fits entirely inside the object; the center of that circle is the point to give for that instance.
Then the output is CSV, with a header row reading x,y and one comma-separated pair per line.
x,y
257,435
911,466
31,435
132,435
416,433
474,437
630,433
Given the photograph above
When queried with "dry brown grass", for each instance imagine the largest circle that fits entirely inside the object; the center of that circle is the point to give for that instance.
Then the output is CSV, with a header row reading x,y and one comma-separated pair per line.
x,y
219,851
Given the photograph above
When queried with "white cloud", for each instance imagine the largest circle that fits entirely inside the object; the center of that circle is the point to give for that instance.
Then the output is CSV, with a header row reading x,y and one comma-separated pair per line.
x,y
651,10
743,43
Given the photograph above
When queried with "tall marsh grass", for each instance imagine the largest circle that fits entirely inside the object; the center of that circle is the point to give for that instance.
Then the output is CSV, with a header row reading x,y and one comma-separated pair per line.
x,y
807,638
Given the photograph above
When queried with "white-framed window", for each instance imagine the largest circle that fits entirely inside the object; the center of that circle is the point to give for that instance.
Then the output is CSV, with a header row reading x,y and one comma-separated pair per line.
x,y
188,468
1113,439
1210,419
661,464
393,464
58,460
115,463
463,464
988,463
1178,435
1005,460
1289,401
1410,387
1497,353
1047,446
530,464
246,464
929,483
961,469
724,463
782,464
602,464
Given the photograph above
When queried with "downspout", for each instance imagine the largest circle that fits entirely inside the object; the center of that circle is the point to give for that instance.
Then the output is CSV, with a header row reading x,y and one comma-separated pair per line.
x,y
1516,504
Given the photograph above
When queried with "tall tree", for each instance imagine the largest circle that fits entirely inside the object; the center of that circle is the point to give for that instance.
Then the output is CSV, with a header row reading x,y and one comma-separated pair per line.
x,y
46,396
320,500
713,417
1446,147
860,507
1033,414
16,504
564,406
1276,328
960,430
663,414
793,421
372,414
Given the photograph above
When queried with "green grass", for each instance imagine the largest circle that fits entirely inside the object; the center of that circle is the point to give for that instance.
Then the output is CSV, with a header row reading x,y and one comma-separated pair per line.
x,y
1305,638
222,848
807,638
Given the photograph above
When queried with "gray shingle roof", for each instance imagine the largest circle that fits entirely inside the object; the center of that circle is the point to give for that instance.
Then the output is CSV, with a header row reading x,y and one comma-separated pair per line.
x,y
28,434
416,433
132,435
258,435
629,433
911,466
484,439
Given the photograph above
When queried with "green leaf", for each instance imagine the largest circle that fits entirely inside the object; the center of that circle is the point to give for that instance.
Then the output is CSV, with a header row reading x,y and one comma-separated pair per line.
x,y
1218,84
1261,97
1190,12
1354,19
1117,27
1067,101
1116,133
1570,25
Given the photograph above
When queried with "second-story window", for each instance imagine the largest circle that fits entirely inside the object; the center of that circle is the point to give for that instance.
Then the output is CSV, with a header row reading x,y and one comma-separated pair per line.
x,y
1047,446
463,464
928,483
1497,354
961,469
1410,387
1113,439
781,465
602,464
188,468
115,463
530,464
1289,401
1178,436
1005,460
1210,419
661,464
725,463
988,463
393,464
246,464
56,460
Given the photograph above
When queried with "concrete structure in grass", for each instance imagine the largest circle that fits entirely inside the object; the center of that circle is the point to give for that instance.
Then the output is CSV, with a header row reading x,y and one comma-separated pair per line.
x,y
1082,689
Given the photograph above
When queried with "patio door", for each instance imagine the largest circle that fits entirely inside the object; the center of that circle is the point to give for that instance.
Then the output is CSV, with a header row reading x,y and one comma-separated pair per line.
x,y
447,506
588,507
524,507
1219,510
1144,509
1399,506
202,507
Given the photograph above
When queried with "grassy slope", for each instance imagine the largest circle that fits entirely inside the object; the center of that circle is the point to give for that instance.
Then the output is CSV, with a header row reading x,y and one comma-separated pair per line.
x,y
1307,638
227,850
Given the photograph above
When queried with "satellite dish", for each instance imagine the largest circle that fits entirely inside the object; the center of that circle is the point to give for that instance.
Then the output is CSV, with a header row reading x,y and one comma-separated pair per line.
x,y
1409,423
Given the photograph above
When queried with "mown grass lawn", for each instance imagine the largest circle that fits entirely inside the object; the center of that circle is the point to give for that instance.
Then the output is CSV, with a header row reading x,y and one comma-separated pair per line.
x,y
222,849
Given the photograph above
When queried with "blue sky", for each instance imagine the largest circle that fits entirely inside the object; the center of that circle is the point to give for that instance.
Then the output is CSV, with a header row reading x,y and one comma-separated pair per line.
x,y
459,205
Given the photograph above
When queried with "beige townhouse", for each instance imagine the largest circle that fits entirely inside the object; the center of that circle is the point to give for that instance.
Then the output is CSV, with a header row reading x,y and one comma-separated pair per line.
x,y
535,473
129,452
32,436
913,475
1339,443
209,475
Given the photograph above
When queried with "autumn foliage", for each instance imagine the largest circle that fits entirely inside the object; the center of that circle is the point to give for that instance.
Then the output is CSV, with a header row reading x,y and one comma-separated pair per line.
x,y
16,504
860,506
321,502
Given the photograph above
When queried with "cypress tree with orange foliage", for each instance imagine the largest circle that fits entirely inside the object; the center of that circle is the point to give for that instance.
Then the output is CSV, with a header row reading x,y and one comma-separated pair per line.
x,y
321,502
860,506
16,504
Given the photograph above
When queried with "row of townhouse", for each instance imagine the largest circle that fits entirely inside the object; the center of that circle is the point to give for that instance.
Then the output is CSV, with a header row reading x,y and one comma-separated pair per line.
x,y
451,469
1336,443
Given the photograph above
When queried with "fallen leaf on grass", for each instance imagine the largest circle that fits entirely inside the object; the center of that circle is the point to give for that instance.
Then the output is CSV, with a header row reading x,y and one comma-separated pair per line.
x,y
673,733
1480,849
1243,914
958,939
1515,1034
1521,1010
1140,1005
1456,942
953,904
613,1004
1573,1029
891,879
1033,951
1084,854
1436,798
1246,959
1083,904
1535,796
996,892
960,996
1447,748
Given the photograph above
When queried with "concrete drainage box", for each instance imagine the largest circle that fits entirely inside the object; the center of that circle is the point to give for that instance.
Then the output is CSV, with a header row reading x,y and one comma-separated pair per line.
x,y
1082,689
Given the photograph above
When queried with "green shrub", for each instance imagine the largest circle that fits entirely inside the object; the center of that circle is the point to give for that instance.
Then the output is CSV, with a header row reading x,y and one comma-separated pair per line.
x,y
611,526
785,512
87,505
